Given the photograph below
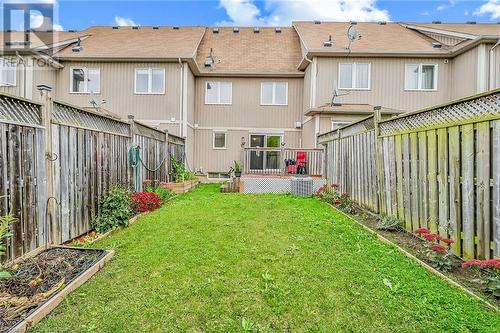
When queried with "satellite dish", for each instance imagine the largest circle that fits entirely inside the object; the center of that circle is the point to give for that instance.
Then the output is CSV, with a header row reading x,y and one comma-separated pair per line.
x,y
352,32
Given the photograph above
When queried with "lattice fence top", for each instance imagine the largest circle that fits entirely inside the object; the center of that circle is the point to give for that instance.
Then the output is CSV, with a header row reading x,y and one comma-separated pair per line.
x,y
19,111
360,126
150,132
482,107
67,115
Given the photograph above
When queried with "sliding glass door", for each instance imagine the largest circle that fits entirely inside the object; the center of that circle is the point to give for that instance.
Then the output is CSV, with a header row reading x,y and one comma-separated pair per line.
x,y
264,159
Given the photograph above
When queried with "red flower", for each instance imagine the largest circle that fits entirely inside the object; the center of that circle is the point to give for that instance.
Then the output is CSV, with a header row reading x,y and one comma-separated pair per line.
x,y
430,237
471,263
146,201
422,231
447,240
334,185
439,249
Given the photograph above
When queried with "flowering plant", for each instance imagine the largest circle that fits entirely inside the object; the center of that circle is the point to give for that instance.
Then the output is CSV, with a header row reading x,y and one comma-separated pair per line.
x,y
145,201
331,194
492,268
86,239
438,254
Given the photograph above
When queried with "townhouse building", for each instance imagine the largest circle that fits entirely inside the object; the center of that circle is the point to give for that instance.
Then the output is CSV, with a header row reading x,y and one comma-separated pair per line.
x,y
225,88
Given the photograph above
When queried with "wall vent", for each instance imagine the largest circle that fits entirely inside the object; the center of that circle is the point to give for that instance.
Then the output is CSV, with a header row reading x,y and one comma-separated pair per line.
x,y
329,42
436,45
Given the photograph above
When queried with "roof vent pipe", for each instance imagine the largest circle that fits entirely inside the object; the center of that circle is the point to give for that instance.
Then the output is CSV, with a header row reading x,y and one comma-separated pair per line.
x,y
436,22
317,22
256,30
382,22
470,22
436,45
277,29
236,30
215,30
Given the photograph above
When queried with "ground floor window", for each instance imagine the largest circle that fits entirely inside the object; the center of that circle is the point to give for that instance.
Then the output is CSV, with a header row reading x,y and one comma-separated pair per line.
x,y
219,140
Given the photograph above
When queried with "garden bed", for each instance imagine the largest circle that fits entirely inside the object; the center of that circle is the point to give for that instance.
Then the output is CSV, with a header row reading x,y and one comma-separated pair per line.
x,y
470,279
183,187
39,283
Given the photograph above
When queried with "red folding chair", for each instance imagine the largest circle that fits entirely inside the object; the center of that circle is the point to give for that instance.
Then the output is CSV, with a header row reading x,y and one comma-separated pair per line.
x,y
301,162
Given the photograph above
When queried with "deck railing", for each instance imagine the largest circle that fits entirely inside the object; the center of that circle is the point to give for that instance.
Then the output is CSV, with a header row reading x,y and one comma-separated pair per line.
x,y
283,161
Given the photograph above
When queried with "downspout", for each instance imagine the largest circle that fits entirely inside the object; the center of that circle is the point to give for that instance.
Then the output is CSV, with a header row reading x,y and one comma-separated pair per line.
x,y
180,96
493,62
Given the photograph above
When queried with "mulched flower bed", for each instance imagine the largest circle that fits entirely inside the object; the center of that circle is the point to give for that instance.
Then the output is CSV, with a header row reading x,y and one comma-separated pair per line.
x,y
466,277
36,279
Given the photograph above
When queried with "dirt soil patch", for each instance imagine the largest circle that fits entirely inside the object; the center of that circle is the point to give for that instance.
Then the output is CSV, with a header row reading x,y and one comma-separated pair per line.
x,y
467,277
36,279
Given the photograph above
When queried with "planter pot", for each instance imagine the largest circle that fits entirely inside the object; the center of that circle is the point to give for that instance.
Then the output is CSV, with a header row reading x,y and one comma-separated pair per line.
x,y
237,174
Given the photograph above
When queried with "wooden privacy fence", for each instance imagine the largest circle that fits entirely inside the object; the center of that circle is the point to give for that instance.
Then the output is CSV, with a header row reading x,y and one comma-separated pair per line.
x,y
437,168
58,161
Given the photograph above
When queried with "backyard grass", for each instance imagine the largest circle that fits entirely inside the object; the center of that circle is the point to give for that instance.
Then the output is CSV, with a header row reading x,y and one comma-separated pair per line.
x,y
208,262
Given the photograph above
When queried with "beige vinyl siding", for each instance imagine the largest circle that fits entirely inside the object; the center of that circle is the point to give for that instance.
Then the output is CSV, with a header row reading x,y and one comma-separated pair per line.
x,y
208,159
309,133
464,81
496,66
46,75
444,39
387,83
307,89
117,88
245,110
190,118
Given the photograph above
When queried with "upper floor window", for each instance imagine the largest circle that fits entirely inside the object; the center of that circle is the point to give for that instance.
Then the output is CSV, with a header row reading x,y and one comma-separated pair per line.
x,y
338,124
7,72
218,92
354,76
85,80
274,93
421,77
149,81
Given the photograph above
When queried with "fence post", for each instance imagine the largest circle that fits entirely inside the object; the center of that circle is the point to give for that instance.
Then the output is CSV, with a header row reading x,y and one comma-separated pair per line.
x,y
46,114
378,155
134,164
168,158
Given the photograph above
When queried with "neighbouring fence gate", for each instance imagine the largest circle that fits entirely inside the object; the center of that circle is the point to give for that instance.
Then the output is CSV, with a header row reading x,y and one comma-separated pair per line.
x,y
437,168
54,187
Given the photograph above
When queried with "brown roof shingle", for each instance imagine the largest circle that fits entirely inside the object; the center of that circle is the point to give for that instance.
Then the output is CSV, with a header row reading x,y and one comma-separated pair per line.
x,y
375,38
247,52
141,43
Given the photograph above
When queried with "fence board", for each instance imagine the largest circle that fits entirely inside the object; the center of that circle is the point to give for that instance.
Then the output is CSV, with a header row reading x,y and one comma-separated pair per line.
x,y
432,168
495,149
468,191
455,209
483,190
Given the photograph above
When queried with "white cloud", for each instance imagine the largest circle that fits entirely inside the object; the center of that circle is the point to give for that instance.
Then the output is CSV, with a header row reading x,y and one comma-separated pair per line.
x,y
280,12
124,21
449,4
36,21
491,8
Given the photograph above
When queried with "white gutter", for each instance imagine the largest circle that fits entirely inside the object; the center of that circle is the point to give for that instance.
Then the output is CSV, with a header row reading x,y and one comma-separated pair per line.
x,y
493,63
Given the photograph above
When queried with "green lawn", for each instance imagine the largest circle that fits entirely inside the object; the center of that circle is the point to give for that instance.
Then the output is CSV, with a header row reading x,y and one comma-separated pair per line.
x,y
208,261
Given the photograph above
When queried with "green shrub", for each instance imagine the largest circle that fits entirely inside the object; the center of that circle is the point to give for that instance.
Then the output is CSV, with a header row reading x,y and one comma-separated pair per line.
x,y
5,222
160,191
179,172
115,210
388,223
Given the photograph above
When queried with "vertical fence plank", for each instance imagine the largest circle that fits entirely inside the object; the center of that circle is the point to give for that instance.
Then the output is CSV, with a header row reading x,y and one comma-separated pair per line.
x,y
455,210
406,178
415,200
443,180
495,150
432,178
483,190
422,183
468,191
398,150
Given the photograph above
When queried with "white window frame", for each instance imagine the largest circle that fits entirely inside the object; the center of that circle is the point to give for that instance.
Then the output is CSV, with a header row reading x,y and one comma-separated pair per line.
x,y
274,93
85,80
341,123
2,83
218,96
419,84
150,81
225,139
353,75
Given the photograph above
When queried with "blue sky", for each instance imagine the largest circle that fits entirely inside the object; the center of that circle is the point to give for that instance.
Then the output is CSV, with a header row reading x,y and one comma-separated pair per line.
x,y
74,14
